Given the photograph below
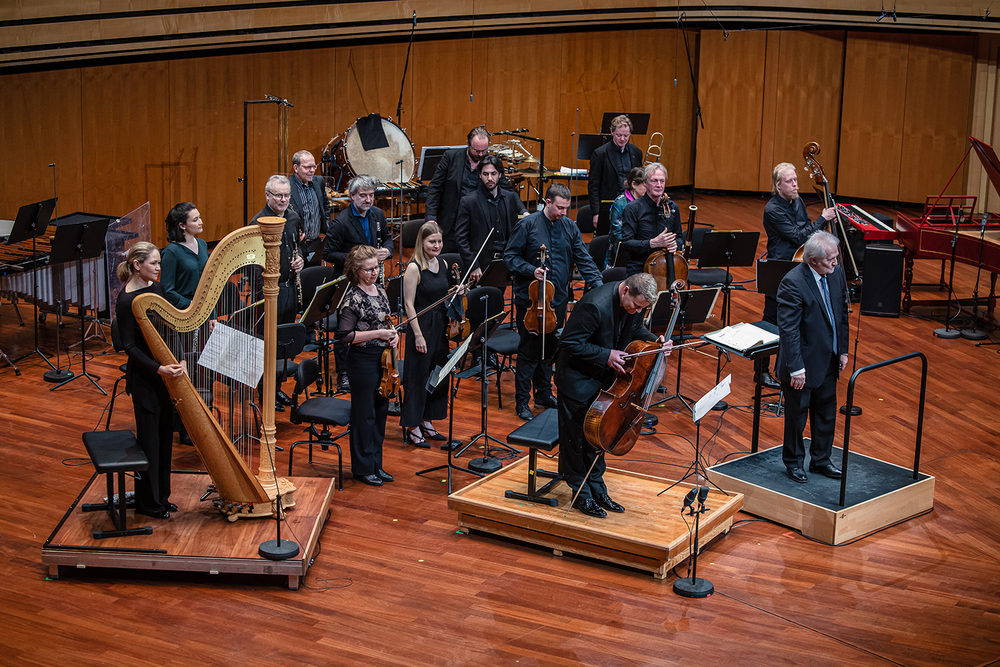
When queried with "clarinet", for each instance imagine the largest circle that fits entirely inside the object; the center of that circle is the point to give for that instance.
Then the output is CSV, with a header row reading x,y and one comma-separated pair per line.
x,y
381,265
292,251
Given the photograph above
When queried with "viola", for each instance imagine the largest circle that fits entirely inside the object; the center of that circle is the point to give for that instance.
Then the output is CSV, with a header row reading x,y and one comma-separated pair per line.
x,y
540,317
390,385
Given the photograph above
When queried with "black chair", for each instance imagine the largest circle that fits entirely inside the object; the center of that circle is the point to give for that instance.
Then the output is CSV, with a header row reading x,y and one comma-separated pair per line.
x,y
408,237
323,410
447,259
598,249
115,453
291,340
705,277
542,432
585,220
499,343
116,342
614,274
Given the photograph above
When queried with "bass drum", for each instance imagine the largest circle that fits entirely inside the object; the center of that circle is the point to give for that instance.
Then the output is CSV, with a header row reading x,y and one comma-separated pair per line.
x,y
379,163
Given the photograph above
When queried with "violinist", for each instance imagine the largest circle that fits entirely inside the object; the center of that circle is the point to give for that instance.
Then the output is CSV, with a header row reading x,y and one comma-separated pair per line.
x,y
651,222
424,282
361,326
602,324
561,237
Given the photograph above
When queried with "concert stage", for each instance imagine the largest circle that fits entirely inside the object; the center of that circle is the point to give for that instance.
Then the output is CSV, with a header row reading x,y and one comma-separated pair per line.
x,y
878,494
198,538
651,535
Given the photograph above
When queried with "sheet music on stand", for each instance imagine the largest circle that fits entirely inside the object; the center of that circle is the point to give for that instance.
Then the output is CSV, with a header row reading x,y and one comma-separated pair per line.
x,y
234,354
441,372
742,336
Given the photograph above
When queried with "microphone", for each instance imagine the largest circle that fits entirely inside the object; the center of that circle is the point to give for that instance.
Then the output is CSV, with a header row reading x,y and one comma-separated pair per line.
x,y
287,103
52,164
272,98
414,18
702,495
689,498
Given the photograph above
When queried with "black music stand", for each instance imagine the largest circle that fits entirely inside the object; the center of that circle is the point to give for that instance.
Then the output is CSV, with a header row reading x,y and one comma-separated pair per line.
x,y
496,275
325,301
80,236
588,143
695,307
31,222
727,249
770,273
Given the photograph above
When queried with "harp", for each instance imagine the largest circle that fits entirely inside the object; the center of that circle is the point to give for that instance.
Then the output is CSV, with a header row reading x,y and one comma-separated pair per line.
x,y
215,397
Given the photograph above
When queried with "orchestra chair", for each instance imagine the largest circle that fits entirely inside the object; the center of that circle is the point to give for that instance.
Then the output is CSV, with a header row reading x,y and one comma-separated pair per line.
x,y
598,250
541,433
585,220
291,340
613,274
705,277
116,343
408,237
323,410
115,453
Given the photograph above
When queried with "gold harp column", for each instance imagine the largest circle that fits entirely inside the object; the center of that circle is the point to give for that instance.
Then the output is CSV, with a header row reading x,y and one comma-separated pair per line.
x,y
271,230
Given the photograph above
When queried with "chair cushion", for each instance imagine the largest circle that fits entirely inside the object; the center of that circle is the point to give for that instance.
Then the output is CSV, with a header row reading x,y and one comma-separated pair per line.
x,y
114,451
325,410
504,342
709,277
542,432
284,372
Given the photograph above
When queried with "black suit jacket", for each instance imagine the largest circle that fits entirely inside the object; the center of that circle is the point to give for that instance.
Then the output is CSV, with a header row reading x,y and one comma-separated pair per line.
x,y
587,340
806,334
346,232
444,193
603,182
472,226
787,226
319,185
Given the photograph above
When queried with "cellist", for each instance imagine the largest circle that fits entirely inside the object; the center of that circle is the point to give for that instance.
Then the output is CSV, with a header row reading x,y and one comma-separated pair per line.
x,y
649,224
552,228
601,326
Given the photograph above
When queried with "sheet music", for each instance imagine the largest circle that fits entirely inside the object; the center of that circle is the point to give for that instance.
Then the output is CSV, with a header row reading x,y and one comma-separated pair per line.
x,y
714,395
234,354
741,336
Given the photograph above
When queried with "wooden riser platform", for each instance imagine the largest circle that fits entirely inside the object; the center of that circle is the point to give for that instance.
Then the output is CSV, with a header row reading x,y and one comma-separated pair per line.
x,y
198,538
651,535
878,494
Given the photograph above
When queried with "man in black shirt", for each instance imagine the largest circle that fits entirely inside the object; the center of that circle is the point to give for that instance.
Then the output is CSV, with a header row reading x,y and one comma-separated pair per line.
x,y
646,227
455,177
610,164
277,191
309,201
564,248
488,207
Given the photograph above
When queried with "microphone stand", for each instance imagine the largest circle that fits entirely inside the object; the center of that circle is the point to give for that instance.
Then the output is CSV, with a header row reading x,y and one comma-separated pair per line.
x,y
402,83
694,587
948,333
975,333
268,99
855,409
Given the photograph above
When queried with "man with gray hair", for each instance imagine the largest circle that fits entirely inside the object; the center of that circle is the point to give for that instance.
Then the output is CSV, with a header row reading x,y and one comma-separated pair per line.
x,y
610,164
652,222
812,350
277,192
311,204
591,352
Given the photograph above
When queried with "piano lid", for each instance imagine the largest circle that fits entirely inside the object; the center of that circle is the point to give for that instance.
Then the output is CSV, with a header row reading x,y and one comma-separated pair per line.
x,y
991,163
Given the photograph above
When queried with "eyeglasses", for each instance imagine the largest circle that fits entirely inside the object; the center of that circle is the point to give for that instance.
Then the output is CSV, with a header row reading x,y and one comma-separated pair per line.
x,y
285,195
373,269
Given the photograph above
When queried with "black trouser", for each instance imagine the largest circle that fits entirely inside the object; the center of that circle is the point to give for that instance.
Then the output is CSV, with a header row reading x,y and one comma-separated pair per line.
x,y
531,369
820,405
771,316
154,433
368,409
576,454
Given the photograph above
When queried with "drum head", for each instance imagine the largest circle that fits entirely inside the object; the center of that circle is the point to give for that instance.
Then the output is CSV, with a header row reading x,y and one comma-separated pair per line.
x,y
380,163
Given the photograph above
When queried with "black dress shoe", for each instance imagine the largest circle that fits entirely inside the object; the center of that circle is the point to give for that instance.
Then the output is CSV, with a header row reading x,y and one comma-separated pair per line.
x,y
590,507
156,514
410,439
278,407
283,398
432,435
604,500
546,401
171,507
384,476
827,470
797,474
371,480
524,413
768,380
343,384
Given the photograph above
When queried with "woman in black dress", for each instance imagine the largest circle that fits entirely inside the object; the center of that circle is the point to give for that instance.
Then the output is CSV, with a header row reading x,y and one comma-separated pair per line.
x,y
150,400
424,282
362,326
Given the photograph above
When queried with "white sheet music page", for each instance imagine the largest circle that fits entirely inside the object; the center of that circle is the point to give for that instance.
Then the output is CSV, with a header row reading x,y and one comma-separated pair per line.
x,y
234,354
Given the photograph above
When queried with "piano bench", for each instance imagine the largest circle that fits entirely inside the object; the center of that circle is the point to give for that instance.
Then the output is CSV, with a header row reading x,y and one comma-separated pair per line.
x,y
542,432
115,452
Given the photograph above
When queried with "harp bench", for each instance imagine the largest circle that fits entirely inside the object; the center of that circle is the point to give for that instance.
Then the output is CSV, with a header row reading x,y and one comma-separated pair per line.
x,y
542,432
115,452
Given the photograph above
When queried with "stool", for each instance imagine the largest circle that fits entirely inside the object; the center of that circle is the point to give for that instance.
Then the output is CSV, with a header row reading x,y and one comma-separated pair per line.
x,y
115,452
542,432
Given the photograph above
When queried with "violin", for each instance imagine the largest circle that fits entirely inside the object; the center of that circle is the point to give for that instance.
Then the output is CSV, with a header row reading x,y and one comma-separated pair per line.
x,y
390,385
670,269
540,317
459,330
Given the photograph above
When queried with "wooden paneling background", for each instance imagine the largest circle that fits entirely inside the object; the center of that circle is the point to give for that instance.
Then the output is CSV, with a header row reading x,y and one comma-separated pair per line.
x,y
891,112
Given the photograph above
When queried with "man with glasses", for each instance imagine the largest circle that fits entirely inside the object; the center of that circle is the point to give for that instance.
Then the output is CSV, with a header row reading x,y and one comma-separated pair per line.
x,y
610,164
277,192
309,201
649,224
361,223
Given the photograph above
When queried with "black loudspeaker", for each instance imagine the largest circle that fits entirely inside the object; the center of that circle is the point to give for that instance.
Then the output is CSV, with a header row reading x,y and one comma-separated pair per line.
x,y
883,280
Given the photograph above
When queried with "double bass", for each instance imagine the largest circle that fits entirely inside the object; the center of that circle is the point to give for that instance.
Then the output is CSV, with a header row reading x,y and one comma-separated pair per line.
x,y
815,169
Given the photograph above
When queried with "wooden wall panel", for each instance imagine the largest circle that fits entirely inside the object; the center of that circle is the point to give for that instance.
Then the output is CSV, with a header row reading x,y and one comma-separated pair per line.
x,y
937,116
871,141
126,101
731,88
41,124
807,106
443,78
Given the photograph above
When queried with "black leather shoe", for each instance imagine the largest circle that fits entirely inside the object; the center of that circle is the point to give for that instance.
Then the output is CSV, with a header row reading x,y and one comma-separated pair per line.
x,y
171,507
590,507
768,380
524,413
185,439
343,384
797,474
384,476
283,398
827,470
370,480
156,514
546,401
604,500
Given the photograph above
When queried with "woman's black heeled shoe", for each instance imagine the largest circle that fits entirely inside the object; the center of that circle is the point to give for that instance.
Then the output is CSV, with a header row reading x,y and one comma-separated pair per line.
x,y
432,434
410,439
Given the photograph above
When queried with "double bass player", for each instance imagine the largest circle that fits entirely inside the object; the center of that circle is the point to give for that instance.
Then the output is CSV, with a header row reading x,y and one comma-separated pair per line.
x,y
600,327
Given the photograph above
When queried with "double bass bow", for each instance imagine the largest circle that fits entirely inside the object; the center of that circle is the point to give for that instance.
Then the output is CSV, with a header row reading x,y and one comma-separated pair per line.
x,y
815,169
540,317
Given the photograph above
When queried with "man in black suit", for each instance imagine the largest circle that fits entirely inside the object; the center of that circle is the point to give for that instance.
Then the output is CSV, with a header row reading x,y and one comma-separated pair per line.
x,y
646,228
601,325
787,226
455,177
277,193
361,223
813,330
488,207
310,203
610,164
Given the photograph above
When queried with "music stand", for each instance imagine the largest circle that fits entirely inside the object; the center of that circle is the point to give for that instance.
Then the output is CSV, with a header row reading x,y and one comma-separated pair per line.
x,y
640,121
588,143
430,156
79,236
496,275
695,307
727,249
326,299
31,222
433,381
